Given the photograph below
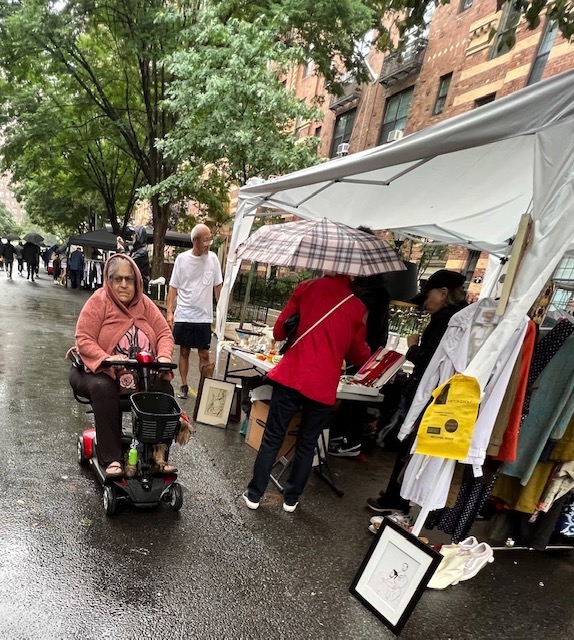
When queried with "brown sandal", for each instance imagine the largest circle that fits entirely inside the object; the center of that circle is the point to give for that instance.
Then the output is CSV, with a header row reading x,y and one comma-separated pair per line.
x,y
114,469
166,469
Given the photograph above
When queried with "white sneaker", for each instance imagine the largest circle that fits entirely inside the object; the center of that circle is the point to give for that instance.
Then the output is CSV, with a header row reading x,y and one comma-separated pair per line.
x,y
453,549
480,556
289,507
250,504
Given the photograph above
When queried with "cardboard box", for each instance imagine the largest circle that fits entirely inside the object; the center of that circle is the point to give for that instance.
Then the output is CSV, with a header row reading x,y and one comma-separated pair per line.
x,y
257,420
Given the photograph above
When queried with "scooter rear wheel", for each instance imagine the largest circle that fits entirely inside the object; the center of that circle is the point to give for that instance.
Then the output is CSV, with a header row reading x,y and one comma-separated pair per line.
x,y
110,500
175,497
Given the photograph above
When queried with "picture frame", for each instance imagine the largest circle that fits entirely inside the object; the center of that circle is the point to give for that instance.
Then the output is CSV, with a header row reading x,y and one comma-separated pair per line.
x,y
213,404
394,574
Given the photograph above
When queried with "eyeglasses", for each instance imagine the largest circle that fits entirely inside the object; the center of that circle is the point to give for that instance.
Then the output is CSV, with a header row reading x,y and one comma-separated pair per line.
x,y
120,279
208,242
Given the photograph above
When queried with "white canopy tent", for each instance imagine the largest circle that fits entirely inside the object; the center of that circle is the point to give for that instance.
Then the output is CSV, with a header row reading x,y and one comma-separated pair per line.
x,y
465,181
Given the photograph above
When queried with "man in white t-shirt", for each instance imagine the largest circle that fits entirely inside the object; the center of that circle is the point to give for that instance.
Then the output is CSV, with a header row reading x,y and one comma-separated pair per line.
x,y
196,277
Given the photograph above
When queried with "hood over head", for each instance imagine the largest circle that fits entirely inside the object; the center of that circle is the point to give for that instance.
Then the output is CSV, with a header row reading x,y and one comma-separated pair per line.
x,y
140,237
109,265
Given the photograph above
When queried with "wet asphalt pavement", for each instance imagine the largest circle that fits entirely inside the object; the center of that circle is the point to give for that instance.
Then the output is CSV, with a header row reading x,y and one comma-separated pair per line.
x,y
214,569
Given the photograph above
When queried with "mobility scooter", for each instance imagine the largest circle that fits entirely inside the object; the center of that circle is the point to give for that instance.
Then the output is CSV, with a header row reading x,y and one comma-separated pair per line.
x,y
155,420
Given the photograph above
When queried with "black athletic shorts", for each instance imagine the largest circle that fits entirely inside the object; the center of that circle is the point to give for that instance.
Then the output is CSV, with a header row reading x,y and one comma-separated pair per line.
x,y
194,335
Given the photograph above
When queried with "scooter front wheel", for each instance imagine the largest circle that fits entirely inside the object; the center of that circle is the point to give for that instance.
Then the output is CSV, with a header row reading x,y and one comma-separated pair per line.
x,y
175,497
110,501
81,452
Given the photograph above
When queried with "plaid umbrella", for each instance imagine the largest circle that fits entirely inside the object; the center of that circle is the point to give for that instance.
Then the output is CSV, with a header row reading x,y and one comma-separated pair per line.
x,y
323,245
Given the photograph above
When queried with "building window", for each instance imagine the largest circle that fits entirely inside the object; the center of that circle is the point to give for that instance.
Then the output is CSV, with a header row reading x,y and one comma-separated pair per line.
x,y
343,129
465,4
506,34
308,68
546,42
317,132
485,100
396,112
443,87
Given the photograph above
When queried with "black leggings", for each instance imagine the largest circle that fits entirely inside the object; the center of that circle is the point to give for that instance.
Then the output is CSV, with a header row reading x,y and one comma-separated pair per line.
x,y
102,391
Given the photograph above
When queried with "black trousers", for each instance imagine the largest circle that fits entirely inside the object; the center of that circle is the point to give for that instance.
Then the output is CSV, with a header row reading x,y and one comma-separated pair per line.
x,y
103,393
349,422
31,270
8,266
285,402
76,278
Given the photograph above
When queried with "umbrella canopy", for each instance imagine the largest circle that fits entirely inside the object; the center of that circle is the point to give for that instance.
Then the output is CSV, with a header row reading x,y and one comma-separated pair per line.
x,y
34,238
12,237
322,245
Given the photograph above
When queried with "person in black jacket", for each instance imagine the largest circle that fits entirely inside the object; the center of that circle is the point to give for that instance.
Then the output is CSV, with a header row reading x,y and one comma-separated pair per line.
x,y
138,254
8,251
346,430
31,255
442,296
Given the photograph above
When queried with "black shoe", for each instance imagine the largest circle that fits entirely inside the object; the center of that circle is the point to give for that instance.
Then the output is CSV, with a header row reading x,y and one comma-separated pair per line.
x,y
183,391
343,450
380,505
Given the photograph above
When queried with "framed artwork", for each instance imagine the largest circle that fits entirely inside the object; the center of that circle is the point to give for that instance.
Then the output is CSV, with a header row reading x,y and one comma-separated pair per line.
x,y
394,574
213,404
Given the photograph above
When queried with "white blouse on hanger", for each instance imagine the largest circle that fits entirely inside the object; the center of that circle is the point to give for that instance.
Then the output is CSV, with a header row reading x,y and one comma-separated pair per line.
x,y
466,332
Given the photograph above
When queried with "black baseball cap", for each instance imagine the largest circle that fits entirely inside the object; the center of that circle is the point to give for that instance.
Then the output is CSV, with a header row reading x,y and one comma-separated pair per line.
x,y
439,279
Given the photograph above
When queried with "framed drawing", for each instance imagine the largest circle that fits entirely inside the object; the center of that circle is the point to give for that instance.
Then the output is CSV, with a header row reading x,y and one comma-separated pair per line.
x,y
214,402
393,574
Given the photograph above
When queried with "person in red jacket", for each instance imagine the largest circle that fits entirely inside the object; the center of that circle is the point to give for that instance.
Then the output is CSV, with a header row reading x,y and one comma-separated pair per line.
x,y
307,377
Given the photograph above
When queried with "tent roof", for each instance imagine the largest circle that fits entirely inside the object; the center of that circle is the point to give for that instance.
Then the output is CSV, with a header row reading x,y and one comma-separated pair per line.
x,y
106,240
464,181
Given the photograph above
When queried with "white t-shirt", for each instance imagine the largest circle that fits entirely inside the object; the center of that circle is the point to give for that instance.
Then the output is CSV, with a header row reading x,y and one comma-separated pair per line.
x,y
194,278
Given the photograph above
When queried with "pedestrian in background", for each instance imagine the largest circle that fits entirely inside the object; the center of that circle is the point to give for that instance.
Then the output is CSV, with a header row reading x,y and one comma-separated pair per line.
x,y
31,255
138,253
19,250
8,250
76,267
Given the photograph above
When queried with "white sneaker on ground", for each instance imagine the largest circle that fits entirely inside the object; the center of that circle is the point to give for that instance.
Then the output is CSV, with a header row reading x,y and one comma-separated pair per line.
x,y
453,549
480,556
289,507
250,504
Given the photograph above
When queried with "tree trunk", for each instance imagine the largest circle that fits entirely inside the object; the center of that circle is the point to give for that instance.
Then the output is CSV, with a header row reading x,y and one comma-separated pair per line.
x,y
160,218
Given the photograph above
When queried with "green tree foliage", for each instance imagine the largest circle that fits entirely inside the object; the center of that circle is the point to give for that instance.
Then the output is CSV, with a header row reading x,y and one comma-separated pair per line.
x,y
7,223
234,114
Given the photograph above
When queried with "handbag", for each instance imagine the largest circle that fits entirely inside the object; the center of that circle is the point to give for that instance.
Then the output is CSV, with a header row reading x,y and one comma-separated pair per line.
x,y
291,325
290,346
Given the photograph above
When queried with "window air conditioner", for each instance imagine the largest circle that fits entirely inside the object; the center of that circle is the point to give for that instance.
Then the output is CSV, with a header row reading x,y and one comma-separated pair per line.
x,y
394,135
343,149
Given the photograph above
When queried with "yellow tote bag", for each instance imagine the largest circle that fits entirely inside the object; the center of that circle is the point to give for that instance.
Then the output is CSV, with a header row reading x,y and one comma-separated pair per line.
x,y
448,422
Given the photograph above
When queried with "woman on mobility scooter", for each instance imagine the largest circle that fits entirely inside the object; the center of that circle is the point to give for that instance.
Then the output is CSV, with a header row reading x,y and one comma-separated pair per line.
x,y
116,322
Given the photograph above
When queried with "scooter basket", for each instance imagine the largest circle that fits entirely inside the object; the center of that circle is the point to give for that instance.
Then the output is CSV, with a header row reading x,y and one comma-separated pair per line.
x,y
155,417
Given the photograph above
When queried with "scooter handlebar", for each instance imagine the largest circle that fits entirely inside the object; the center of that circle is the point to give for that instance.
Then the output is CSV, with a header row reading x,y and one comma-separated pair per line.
x,y
132,363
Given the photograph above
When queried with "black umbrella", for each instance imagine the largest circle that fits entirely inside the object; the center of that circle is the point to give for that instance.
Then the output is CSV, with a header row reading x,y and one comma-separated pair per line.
x,y
12,236
34,238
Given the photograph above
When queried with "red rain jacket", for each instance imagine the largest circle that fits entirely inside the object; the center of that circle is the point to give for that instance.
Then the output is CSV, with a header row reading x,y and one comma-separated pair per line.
x,y
313,365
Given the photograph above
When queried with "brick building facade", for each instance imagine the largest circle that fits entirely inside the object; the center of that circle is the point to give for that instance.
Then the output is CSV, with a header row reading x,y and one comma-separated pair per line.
x,y
454,68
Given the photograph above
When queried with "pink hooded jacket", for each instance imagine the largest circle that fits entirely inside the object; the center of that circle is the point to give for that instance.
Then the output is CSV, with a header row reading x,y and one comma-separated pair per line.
x,y
104,320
